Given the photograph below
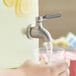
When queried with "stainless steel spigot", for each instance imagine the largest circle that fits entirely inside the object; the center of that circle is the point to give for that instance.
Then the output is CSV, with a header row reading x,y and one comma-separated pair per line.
x,y
39,31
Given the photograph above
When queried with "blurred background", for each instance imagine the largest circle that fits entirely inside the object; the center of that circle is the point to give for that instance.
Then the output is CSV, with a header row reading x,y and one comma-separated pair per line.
x,y
60,26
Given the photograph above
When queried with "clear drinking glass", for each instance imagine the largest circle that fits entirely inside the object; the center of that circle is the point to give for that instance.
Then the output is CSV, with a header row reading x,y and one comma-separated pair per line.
x,y
41,56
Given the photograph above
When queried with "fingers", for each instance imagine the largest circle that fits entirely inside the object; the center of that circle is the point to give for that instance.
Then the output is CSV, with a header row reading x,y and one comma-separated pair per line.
x,y
60,68
64,74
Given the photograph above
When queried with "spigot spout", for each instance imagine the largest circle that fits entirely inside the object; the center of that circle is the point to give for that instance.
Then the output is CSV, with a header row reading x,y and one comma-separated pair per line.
x,y
39,31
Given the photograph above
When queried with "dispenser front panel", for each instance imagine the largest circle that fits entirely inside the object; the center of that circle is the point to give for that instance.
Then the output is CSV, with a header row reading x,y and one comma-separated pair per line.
x,y
15,48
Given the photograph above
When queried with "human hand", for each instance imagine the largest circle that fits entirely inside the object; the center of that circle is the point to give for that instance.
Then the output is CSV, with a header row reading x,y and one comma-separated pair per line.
x,y
32,69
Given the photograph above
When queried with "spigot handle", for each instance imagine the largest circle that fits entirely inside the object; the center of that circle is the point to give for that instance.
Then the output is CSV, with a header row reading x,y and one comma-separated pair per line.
x,y
51,16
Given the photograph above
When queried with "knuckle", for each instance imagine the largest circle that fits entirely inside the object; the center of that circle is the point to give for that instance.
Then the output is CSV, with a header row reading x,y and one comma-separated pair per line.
x,y
53,71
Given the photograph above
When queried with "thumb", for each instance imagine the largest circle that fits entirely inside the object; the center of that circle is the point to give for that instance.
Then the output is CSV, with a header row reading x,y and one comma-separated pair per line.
x,y
27,63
